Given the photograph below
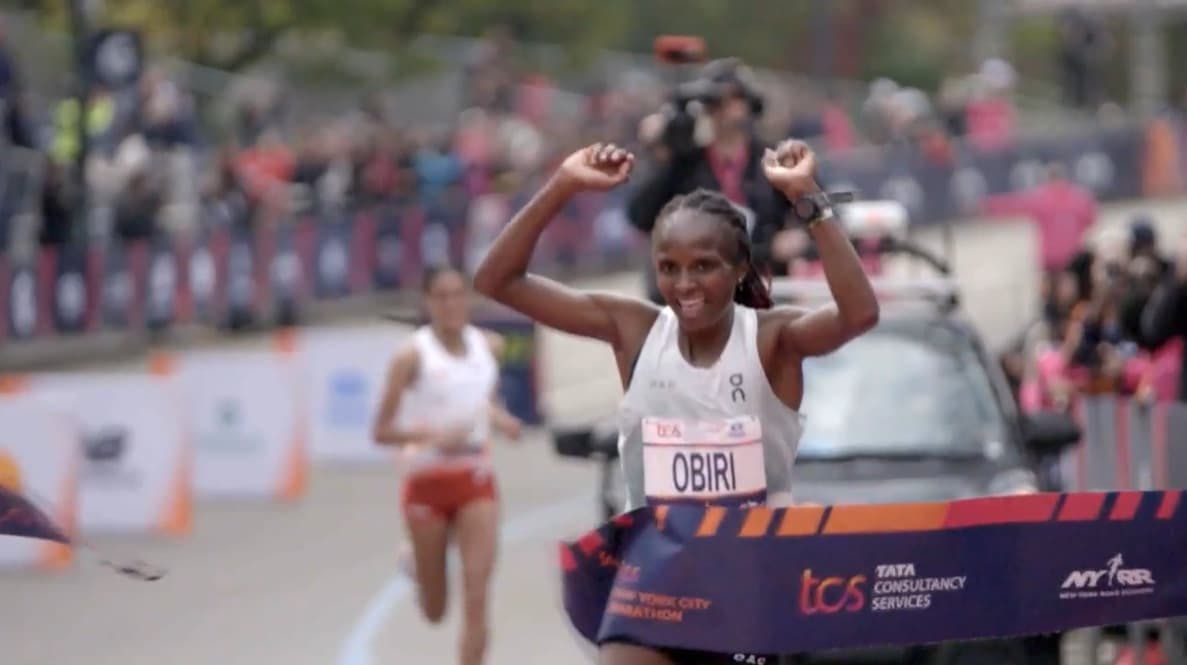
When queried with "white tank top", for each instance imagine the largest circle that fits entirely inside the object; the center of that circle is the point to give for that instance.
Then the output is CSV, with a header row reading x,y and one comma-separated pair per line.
x,y
450,390
716,434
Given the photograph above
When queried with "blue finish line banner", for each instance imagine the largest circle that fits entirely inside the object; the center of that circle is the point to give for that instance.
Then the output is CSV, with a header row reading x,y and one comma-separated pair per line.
x,y
801,579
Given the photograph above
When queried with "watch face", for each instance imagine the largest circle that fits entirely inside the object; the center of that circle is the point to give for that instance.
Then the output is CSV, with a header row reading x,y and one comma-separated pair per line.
x,y
805,208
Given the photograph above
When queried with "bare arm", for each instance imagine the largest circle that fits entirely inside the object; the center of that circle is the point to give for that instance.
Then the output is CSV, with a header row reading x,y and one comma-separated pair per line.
x,y
502,275
855,308
792,169
400,375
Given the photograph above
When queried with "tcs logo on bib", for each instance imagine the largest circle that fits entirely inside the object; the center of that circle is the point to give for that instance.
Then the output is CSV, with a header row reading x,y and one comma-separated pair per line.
x,y
830,595
10,473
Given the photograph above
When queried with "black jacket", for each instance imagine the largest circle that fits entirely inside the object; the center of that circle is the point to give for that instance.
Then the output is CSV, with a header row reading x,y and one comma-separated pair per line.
x,y
682,176
1164,318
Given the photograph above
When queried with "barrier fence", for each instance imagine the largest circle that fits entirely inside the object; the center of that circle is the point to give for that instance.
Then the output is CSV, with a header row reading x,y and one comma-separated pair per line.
x,y
129,451
225,276
1129,445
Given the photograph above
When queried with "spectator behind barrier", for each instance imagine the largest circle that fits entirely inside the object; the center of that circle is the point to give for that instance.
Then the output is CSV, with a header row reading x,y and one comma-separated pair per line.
x,y
722,154
1113,322
1164,318
1063,213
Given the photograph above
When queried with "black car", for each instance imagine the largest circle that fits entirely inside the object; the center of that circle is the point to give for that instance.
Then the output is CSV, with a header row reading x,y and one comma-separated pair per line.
x,y
915,410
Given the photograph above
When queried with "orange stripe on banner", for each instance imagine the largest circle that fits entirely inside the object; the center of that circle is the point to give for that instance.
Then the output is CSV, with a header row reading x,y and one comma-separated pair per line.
x,y
1001,510
590,542
711,521
661,517
568,561
11,384
1081,507
1169,505
1126,506
886,518
800,521
758,520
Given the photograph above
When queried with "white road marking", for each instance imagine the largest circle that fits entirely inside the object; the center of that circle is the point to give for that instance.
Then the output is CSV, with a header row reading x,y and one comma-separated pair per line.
x,y
357,648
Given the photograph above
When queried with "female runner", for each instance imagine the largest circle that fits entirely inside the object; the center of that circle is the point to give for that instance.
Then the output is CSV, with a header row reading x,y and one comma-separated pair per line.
x,y
718,358
441,392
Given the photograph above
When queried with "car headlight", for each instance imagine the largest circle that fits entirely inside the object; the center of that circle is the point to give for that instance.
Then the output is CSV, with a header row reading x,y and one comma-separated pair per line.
x,y
1013,482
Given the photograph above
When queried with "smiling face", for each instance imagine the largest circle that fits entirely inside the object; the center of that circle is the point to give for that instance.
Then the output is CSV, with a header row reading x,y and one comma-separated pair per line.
x,y
697,266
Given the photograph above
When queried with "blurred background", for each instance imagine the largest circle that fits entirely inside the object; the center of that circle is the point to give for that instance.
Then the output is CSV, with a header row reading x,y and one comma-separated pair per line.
x,y
213,184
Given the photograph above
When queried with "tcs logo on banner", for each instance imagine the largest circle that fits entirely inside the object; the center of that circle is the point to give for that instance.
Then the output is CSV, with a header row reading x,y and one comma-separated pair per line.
x,y
10,473
830,595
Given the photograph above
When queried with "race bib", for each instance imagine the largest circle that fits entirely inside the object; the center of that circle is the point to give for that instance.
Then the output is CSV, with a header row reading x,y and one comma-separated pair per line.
x,y
709,461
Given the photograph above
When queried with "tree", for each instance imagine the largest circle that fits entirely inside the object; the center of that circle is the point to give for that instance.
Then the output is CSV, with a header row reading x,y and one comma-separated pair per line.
x,y
233,35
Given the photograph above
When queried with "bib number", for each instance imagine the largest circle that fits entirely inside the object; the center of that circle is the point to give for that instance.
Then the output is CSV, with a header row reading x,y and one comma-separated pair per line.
x,y
712,461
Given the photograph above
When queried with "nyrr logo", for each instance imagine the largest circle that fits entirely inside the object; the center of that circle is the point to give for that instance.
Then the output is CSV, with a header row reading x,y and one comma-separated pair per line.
x,y
831,595
1112,580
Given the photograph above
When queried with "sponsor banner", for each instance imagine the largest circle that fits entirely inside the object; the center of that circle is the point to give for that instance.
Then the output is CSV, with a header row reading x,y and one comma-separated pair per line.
x,y
240,272
1106,160
71,294
135,473
285,274
204,281
117,288
345,370
161,285
39,461
793,580
246,422
24,316
390,260
332,258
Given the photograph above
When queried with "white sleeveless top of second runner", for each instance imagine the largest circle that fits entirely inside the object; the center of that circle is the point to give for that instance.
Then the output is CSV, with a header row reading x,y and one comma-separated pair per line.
x,y
450,391
716,434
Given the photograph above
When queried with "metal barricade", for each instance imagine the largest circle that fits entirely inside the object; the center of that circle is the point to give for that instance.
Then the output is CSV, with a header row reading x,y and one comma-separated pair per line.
x,y
1128,445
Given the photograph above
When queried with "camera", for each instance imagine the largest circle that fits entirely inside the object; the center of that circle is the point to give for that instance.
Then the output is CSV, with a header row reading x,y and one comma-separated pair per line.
x,y
687,124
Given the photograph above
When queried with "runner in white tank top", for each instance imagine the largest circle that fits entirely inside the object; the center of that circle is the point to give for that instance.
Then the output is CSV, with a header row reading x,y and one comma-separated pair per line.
x,y
438,407
712,381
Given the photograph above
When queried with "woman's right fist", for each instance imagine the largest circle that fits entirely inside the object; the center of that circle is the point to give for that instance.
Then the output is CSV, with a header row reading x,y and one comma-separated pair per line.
x,y
600,166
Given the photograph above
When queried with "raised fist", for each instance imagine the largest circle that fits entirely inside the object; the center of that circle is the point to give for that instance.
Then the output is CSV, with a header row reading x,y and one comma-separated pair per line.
x,y
600,166
791,168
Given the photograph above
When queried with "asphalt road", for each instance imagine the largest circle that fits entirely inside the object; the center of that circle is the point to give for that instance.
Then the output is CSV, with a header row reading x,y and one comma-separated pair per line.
x,y
313,583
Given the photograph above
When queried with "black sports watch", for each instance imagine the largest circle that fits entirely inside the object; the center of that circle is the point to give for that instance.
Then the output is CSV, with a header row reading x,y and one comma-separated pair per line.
x,y
817,205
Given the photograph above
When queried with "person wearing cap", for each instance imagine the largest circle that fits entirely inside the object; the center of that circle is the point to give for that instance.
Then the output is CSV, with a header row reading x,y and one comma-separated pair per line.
x,y
724,155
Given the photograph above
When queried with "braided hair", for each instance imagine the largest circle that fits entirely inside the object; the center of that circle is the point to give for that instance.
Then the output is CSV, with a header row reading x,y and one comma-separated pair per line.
x,y
752,291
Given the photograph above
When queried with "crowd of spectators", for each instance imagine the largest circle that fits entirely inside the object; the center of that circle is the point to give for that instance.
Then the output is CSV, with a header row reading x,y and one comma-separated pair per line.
x,y
153,167
1113,320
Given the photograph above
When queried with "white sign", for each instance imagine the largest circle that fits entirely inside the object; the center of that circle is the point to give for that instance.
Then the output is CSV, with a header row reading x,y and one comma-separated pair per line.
x,y
345,372
135,473
246,423
39,459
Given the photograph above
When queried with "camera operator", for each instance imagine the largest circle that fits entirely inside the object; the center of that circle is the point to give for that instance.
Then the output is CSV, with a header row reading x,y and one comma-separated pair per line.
x,y
704,137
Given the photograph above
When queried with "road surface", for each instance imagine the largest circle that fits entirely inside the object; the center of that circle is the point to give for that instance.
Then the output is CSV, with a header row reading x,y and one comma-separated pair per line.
x,y
313,583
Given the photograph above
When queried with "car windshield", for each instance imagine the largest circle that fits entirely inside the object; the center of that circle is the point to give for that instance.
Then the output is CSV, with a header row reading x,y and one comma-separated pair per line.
x,y
892,393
